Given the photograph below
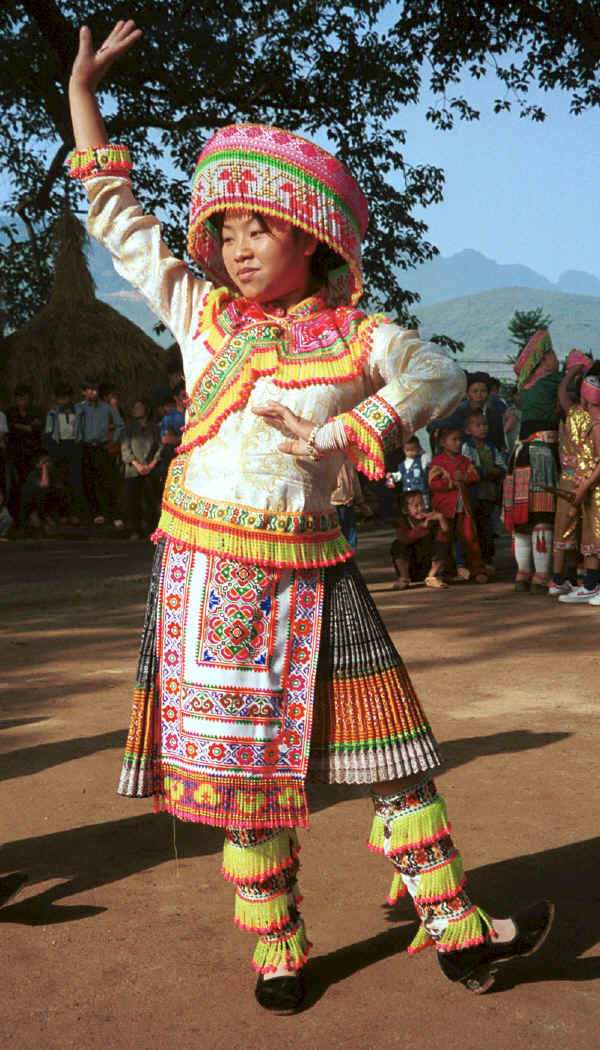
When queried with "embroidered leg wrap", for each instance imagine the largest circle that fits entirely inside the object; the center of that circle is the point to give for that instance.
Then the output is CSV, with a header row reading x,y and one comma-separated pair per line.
x,y
263,864
412,829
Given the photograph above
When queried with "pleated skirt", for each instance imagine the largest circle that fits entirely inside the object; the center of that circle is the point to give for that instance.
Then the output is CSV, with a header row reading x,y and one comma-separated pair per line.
x,y
367,722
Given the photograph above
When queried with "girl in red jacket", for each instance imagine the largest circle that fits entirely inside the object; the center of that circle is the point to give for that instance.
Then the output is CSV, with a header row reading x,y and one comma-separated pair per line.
x,y
450,474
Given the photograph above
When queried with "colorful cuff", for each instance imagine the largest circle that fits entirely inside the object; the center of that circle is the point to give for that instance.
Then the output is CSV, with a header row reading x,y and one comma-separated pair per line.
x,y
373,428
104,160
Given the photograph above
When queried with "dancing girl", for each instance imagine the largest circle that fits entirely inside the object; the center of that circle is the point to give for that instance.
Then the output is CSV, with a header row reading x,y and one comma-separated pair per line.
x,y
264,661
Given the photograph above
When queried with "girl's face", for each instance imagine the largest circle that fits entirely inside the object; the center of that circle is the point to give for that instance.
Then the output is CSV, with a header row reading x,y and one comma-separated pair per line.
x,y
451,442
267,262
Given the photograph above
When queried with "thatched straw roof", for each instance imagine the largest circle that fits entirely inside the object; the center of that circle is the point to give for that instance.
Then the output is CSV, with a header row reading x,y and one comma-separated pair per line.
x,y
77,336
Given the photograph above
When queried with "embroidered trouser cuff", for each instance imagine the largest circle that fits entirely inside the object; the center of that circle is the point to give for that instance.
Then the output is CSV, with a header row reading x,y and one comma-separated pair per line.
x,y
263,865
412,829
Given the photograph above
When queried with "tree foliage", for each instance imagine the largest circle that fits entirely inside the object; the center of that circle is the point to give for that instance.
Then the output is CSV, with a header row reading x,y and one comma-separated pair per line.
x,y
335,70
525,323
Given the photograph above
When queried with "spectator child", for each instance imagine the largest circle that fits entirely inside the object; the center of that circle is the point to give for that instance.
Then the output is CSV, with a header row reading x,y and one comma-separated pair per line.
x,y
173,420
450,474
346,495
491,469
171,425
101,426
141,454
411,474
39,495
64,441
420,549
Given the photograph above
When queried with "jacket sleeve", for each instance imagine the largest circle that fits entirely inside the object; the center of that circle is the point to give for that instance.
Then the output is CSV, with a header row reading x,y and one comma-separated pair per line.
x,y
410,382
117,423
139,255
469,453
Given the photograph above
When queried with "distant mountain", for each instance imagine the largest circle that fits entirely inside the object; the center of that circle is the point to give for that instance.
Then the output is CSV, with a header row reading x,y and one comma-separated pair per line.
x,y
469,272
481,322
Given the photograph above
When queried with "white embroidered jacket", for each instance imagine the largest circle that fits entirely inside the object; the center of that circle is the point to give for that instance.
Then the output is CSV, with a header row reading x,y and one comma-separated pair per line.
x,y
233,491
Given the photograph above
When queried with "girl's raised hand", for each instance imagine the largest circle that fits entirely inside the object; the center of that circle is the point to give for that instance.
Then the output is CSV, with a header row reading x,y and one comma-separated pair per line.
x,y
90,66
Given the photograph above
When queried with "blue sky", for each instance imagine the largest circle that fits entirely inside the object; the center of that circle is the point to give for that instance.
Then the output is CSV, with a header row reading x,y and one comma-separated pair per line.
x,y
517,191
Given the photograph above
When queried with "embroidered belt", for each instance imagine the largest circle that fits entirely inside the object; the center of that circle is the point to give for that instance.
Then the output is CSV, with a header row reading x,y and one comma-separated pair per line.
x,y
249,534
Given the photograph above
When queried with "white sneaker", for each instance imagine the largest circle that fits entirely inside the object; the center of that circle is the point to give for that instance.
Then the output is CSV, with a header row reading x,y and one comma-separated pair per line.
x,y
560,588
595,600
579,595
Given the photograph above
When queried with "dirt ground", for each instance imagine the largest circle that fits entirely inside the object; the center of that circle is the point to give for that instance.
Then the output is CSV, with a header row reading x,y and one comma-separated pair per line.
x,y
117,941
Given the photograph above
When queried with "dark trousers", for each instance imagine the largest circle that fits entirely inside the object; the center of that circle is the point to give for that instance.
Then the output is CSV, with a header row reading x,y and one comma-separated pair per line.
x,y
141,497
420,554
67,459
483,513
98,480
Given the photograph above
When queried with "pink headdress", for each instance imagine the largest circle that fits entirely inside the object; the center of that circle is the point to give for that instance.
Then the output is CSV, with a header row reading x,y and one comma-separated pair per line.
x,y
253,167
576,358
531,355
590,390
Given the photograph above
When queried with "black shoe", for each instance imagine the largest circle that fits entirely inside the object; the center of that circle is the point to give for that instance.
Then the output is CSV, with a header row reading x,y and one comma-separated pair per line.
x,y
538,588
521,585
473,966
283,995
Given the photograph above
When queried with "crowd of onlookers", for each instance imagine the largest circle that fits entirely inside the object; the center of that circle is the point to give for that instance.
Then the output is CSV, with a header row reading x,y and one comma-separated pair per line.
x,y
446,500
85,461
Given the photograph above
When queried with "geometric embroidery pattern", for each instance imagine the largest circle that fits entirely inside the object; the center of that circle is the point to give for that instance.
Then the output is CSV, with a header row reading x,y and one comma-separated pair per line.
x,y
238,616
232,730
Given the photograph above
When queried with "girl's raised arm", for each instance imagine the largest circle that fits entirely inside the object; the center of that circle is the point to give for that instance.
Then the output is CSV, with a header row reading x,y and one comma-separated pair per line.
x,y
88,70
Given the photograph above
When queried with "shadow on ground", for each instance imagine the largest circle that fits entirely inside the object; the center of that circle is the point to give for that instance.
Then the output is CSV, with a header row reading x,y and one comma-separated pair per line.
x,y
567,875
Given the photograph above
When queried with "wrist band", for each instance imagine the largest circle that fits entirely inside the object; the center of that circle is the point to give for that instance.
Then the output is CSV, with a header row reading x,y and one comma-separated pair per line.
x,y
331,437
102,160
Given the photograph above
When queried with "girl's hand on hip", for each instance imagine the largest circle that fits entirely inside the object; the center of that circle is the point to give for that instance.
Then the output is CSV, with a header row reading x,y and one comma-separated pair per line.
x,y
90,66
282,418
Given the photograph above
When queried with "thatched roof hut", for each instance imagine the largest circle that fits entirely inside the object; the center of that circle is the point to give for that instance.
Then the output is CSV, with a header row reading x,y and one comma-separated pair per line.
x,y
76,336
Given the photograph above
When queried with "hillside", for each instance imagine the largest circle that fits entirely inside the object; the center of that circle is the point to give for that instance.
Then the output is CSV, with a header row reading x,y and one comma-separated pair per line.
x,y
468,272
481,322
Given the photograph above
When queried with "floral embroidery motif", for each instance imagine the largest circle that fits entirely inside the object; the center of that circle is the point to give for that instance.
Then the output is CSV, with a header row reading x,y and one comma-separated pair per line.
x,y
232,731
238,623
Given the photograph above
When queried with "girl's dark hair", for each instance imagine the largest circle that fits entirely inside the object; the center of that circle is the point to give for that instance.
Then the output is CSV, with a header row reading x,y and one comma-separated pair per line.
x,y
406,496
450,428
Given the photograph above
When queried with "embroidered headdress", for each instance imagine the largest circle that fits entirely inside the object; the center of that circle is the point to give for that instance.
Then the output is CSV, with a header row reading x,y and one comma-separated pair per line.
x,y
254,167
531,355
577,359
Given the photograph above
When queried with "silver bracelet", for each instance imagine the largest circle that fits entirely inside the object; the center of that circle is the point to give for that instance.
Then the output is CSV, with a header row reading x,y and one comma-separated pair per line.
x,y
313,452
